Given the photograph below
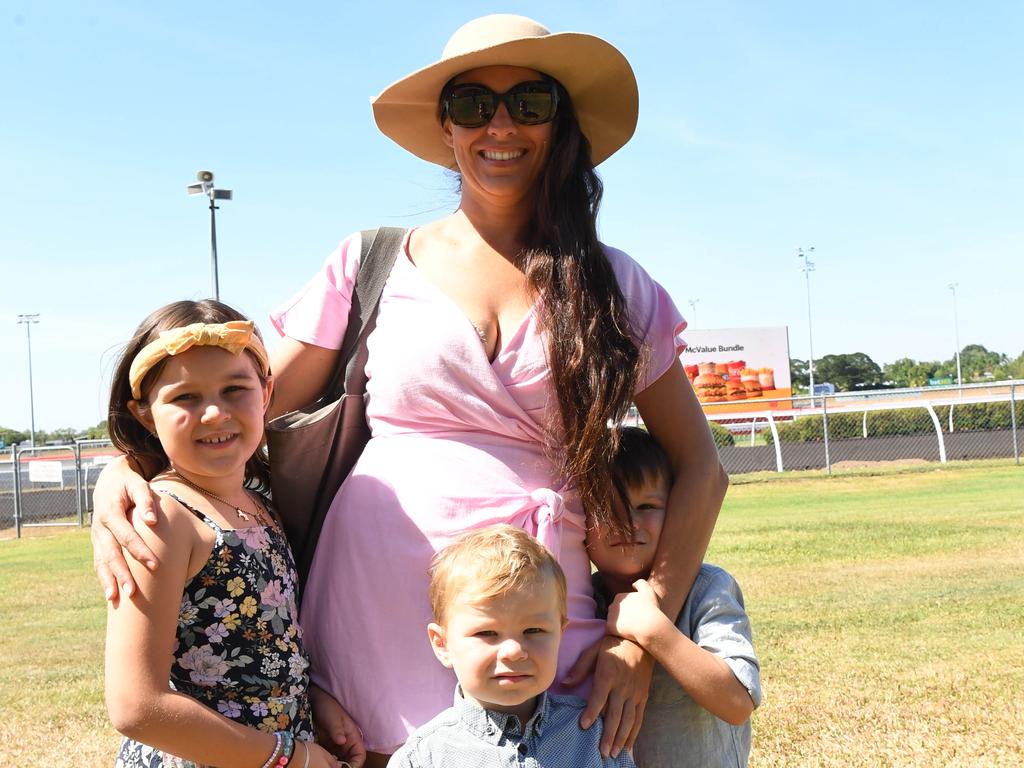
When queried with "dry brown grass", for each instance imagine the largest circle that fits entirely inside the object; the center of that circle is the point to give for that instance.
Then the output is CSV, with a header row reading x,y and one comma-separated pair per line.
x,y
845,692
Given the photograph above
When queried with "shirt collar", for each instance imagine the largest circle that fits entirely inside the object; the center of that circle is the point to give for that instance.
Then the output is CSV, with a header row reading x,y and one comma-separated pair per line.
x,y
491,726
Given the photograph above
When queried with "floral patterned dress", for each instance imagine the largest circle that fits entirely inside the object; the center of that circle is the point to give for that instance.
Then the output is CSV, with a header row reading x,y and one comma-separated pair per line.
x,y
239,646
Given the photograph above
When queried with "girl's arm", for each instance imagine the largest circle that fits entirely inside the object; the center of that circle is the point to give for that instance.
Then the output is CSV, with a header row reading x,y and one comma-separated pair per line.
x,y
704,676
622,674
301,373
139,648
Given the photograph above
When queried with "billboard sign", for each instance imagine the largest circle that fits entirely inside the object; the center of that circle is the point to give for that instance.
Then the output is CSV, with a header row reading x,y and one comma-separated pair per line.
x,y
739,369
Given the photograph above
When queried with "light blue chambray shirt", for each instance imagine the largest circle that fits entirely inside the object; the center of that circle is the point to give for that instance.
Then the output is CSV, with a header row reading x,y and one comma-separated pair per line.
x,y
469,736
677,732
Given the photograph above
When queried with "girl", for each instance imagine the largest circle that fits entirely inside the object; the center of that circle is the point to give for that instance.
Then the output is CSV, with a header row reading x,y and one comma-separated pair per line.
x,y
205,662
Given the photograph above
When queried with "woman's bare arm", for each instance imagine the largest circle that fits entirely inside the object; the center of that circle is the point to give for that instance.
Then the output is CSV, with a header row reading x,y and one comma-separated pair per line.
x,y
120,494
301,374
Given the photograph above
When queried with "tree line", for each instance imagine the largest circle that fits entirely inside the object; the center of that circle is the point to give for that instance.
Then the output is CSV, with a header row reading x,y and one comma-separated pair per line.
x,y
64,435
857,371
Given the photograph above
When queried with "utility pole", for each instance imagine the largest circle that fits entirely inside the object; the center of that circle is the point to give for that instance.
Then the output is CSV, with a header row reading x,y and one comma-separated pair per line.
x,y
807,268
27,321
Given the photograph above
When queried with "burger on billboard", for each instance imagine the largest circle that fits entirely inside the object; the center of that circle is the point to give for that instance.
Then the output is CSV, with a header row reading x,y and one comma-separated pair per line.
x,y
739,369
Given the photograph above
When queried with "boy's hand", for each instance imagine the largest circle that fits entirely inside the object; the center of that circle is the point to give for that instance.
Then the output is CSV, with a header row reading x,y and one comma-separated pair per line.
x,y
336,729
636,615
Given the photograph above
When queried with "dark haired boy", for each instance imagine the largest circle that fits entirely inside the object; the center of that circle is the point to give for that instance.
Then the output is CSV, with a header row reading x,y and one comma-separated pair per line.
x,y
708,679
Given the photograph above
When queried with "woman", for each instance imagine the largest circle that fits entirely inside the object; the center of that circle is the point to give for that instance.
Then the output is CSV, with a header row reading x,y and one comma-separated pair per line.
x,y
507,338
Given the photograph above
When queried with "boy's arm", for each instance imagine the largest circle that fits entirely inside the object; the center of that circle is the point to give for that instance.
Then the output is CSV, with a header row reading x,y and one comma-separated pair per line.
x,y
707,678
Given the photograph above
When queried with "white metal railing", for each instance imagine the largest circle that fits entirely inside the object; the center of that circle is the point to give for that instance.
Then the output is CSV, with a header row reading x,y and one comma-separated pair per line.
x,y
761,415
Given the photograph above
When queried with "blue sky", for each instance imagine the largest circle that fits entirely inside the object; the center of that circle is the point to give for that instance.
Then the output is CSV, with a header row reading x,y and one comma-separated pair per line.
x,y
887,135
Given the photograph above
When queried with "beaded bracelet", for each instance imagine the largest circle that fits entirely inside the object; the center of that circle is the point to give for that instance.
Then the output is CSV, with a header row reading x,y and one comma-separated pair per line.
x,y
288,750
278,743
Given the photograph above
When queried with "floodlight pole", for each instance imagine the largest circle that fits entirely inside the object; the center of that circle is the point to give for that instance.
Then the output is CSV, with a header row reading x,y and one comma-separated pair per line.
x,y
205,187
956,335
213,250
807,268
693,310
27,321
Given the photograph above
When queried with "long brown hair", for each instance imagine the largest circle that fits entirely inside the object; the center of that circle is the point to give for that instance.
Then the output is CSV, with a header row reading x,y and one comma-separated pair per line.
x,y
127,433
594,360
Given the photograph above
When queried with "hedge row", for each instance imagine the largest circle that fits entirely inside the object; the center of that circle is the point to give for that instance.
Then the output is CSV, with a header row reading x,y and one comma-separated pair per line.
x,y
723,437
905,421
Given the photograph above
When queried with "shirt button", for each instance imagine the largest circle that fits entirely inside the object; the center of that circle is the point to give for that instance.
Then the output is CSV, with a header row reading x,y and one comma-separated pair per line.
x,y
523,750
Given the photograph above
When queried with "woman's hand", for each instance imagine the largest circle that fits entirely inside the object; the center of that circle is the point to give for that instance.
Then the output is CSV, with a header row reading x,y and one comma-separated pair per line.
x,y
119,493
336,728
318,756
622,682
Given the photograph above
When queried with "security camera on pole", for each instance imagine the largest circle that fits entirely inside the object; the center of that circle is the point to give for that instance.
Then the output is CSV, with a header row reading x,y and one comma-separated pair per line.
x,y
956,332
693,310
205,187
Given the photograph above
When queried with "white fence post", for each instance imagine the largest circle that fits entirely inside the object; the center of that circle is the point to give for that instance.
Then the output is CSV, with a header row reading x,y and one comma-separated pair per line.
x,y
775,442
938,431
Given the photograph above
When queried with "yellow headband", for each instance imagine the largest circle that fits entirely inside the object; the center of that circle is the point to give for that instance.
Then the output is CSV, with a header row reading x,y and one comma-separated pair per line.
x,y
234,336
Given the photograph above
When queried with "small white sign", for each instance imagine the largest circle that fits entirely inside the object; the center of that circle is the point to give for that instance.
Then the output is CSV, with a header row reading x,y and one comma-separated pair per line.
x,y
101,461
46,471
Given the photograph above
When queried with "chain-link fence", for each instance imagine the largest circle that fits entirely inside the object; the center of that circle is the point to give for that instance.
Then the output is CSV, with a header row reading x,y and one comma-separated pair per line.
x,y
858,429
50,485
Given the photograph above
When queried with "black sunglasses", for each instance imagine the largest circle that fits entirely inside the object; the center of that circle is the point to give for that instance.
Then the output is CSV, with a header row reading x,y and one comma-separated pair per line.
x,y
472,105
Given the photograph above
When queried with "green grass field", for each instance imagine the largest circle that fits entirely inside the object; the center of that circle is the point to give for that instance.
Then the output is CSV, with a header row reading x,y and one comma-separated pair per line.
x,y
888,612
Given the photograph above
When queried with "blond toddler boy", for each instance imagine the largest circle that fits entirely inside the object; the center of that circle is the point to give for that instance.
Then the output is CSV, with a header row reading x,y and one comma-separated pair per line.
x,y
499,603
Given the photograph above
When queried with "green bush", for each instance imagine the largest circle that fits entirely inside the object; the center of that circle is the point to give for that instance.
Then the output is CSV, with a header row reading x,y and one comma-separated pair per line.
x,y
970,416
723,437
904,421
810,429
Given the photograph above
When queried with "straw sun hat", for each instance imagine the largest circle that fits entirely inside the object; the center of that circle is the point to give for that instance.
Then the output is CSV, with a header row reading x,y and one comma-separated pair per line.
x,y
594,72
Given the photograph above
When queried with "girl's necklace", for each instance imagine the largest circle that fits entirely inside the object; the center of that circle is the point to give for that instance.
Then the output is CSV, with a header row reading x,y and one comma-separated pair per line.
x,y
260,516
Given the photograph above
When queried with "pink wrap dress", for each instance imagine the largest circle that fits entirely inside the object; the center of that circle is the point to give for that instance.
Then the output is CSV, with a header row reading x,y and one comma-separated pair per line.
x,y
457,443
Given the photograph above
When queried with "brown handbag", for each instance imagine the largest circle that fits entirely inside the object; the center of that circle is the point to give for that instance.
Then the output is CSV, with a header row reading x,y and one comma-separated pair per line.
x,y
313,449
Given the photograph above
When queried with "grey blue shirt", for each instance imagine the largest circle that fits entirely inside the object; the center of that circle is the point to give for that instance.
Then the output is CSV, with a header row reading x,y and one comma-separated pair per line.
x,y
469,736
677,732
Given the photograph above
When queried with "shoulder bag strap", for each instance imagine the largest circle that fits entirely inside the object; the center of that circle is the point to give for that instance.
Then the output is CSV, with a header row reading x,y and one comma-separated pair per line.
x,y
379,249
